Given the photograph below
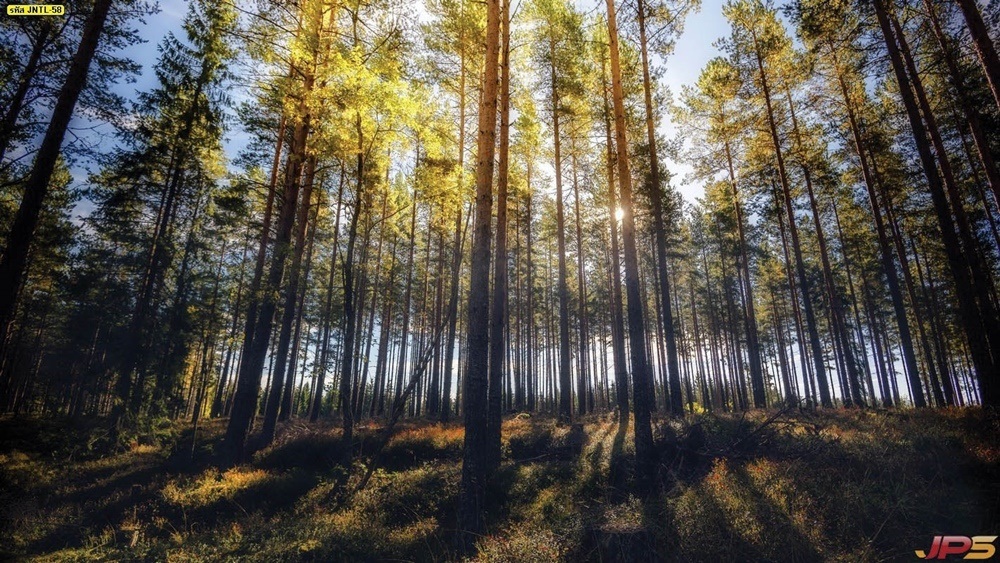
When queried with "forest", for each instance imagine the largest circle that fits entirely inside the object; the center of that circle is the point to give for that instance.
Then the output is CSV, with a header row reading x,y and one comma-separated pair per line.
x,y
423,280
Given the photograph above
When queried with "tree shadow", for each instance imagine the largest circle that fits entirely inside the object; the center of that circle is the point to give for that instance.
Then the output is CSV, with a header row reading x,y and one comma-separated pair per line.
x,y
619,467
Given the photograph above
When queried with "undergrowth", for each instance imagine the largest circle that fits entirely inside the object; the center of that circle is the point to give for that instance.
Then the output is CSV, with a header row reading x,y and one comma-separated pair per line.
x,y
788,486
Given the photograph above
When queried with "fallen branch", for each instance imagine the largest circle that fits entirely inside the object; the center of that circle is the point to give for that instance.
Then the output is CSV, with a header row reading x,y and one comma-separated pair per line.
x,y
767,422
398,405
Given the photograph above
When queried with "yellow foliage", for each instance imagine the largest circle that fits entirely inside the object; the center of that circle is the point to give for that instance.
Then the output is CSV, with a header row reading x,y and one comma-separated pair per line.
x,y
213,486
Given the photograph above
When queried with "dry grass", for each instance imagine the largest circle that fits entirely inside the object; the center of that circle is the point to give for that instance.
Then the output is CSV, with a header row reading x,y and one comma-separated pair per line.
x,y
834,486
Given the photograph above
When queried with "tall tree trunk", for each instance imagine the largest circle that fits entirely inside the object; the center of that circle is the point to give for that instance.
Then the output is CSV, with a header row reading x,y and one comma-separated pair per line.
x,y
973,323
248,381
565,381
659,232
476,448
749,313
817,349
434,386
885,252
985,47
218,402
324,355
288,397
581,280
982,280
457,242
852,396
350,311
16,102
644,452
959,81
498,311
288,310
947,397
253,292
532,372
807,375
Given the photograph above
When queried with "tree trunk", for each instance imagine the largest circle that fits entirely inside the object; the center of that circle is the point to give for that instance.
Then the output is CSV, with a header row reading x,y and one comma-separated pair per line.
x,y
974,325
565,381
985,47
498,312
969,109
288,311
885,252
656,199
749,314
248,381
288,394
475,447
839,321
644,452
16,102
817,349
317,399
581,280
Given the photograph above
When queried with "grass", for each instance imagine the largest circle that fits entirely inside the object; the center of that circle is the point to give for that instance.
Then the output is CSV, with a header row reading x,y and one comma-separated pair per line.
x,y
800,486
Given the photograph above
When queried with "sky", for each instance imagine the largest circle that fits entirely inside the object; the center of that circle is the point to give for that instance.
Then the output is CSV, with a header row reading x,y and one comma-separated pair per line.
x,y
693,49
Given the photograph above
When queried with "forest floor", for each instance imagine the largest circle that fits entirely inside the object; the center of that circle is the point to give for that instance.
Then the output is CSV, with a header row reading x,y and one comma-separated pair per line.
x,y
768,486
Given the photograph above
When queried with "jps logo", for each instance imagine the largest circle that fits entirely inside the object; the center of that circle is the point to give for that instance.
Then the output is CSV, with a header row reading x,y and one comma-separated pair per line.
x,y
976,547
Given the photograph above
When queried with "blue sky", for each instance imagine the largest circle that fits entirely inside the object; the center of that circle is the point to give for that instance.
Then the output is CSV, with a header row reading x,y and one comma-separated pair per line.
x,y
693,50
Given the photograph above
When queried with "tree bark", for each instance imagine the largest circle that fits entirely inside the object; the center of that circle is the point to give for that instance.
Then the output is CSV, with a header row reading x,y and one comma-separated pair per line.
x,y
974,325
885,252
644,452
656,199
475,447
16,102
985,47
817,349
288,311
565,380
498,312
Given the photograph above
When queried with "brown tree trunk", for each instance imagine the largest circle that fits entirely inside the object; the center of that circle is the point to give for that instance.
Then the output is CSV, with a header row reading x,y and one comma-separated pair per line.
x,y
565,381
973,323
248,381
288,394
644,452
288,311
817,349
656,199
498,311
837,311
749,314
985,47
324,355
885,252
457,241
475,448
969,109
581,280
16,102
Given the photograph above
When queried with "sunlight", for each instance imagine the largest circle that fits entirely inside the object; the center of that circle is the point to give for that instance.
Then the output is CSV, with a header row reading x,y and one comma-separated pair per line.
x,y
619,213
